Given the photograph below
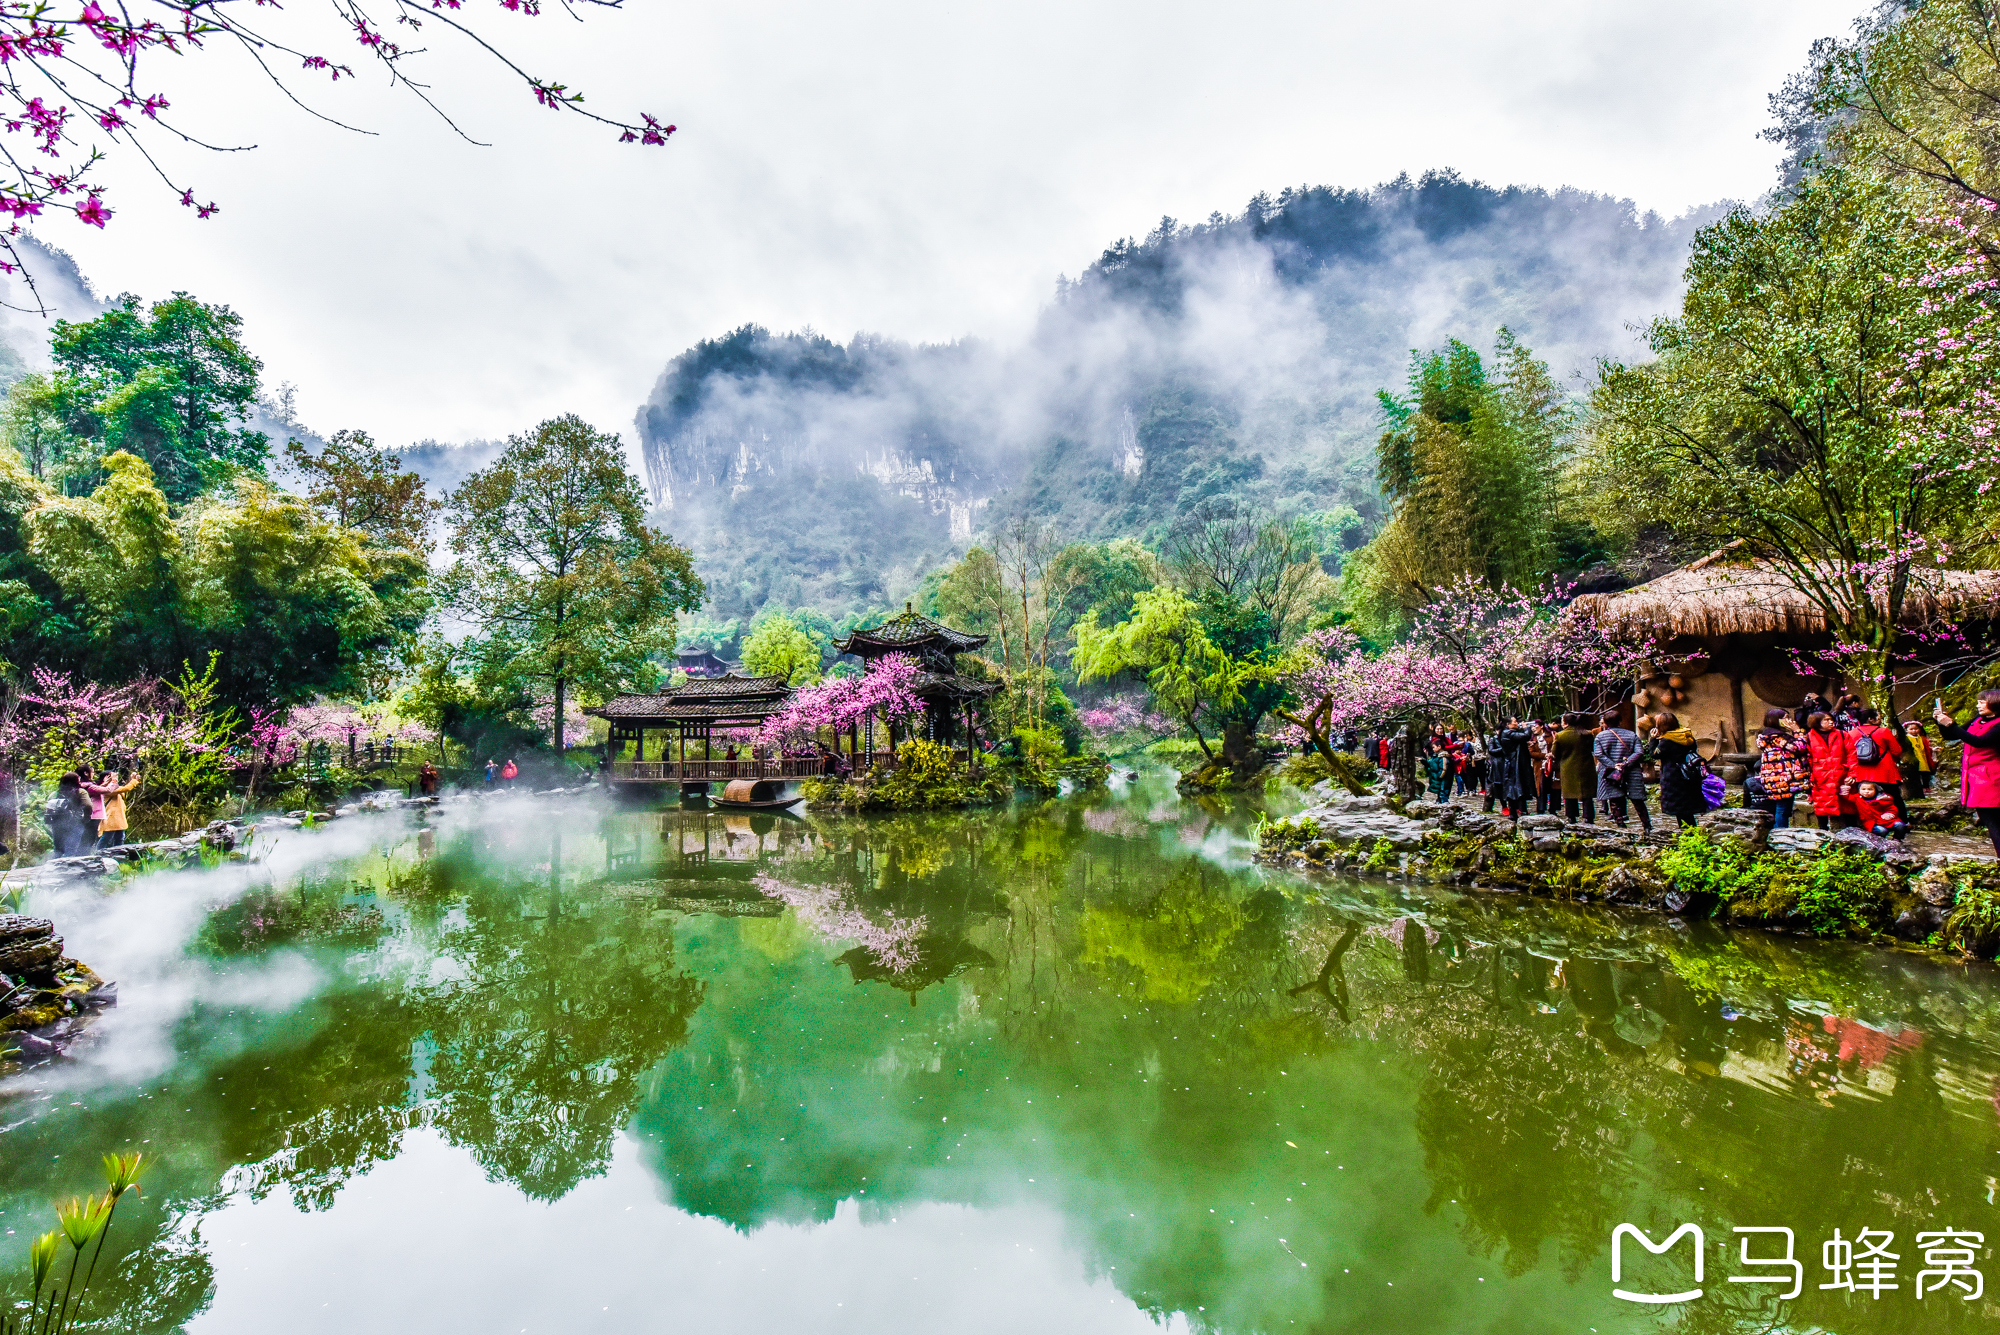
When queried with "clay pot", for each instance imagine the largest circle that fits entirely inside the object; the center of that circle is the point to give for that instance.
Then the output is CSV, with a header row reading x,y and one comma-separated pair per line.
x,y
1676,681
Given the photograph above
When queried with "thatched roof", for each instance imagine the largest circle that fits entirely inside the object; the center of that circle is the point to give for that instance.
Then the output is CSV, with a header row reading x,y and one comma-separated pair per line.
x,y
1726,593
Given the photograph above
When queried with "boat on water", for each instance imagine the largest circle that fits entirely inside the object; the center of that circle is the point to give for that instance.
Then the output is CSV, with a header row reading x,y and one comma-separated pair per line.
x,y
755,795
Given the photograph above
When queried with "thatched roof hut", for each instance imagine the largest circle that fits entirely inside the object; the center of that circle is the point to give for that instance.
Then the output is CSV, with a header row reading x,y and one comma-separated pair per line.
x,y
1736,635
1727,593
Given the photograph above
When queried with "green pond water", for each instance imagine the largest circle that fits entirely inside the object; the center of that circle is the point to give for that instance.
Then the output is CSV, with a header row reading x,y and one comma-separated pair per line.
x,y
1078,1066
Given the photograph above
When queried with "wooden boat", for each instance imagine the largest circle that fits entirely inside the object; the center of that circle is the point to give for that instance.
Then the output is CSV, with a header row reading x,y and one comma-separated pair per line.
x,y
755,795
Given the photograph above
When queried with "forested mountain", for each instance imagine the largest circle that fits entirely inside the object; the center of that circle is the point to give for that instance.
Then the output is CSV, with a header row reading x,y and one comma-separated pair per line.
x,y
1236,358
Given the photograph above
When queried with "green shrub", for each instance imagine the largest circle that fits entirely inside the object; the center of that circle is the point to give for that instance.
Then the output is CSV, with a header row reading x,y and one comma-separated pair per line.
x,y
1839,892
1843,892
1284,835
1383,858
1974,924
1698,864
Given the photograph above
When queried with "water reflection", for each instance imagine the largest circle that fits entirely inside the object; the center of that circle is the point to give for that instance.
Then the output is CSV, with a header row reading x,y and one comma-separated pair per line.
x,y
1252,1101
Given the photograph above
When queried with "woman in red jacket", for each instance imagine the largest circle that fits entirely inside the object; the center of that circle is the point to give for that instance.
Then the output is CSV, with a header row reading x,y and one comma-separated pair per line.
x,y
1979,762
1887,746
1830,754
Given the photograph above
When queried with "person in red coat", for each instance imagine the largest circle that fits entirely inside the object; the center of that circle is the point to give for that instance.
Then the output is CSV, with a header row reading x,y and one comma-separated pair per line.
x,y
1830,756
1888,748
1979,763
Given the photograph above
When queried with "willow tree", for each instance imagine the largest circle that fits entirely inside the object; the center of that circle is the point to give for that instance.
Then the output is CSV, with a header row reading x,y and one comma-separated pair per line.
x,y
1779,409
557,569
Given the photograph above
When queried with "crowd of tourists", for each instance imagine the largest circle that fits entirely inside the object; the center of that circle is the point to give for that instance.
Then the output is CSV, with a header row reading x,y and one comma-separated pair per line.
x,y
1834,763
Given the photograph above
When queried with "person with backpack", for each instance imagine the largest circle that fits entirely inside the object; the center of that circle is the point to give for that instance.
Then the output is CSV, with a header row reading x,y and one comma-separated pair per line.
x,y
1876,750
65,814
1829,762
1782,765
1979,761
1681,770
1620,779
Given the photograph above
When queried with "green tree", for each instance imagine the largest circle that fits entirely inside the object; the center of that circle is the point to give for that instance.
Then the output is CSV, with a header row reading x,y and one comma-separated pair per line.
x,y
1773,407
557,568
173,385
1165,643
290,605
777,647
1913,99
32,422
364,488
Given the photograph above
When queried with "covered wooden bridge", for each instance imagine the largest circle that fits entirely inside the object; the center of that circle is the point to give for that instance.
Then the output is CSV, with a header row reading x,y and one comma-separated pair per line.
x,y
665,728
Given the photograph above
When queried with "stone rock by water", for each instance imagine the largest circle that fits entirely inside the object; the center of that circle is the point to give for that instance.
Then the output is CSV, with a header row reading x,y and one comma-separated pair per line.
x,y
1354,822
34,959
1743,824
1888,850
21,927
1689,903
1796,839
1964,861
1349,802
1919,921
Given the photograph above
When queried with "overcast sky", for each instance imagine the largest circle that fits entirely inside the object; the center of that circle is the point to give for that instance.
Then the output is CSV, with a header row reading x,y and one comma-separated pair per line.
x,y
920,170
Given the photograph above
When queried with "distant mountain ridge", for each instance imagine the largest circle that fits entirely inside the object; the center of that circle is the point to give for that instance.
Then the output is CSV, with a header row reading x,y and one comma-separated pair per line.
x,y
1235,358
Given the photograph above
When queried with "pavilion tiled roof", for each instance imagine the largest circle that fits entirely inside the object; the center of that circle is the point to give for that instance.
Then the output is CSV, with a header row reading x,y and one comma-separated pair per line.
x,y
907,631
702,700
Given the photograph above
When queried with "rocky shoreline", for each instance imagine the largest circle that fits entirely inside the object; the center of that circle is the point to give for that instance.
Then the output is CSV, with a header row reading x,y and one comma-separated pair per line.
x,y
1736,869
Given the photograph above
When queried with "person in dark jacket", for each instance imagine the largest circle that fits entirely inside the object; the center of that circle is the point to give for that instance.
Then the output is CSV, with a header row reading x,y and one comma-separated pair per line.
x,y
1815,703
1672,747
1510,769
1574,770
66,815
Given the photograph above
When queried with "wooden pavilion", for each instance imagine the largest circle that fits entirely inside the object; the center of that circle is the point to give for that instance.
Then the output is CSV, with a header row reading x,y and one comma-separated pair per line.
x,y
688,717
947,694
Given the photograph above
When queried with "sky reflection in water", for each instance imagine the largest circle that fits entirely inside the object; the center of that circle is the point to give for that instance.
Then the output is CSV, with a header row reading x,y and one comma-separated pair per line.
x,y
1077,1067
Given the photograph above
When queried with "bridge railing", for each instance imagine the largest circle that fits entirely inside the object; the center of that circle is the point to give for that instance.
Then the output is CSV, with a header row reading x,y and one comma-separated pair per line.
x,y
713,771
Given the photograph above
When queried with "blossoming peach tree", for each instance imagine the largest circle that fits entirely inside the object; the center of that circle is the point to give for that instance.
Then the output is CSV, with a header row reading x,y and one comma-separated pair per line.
x,y
80,82
1473,653
886,691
